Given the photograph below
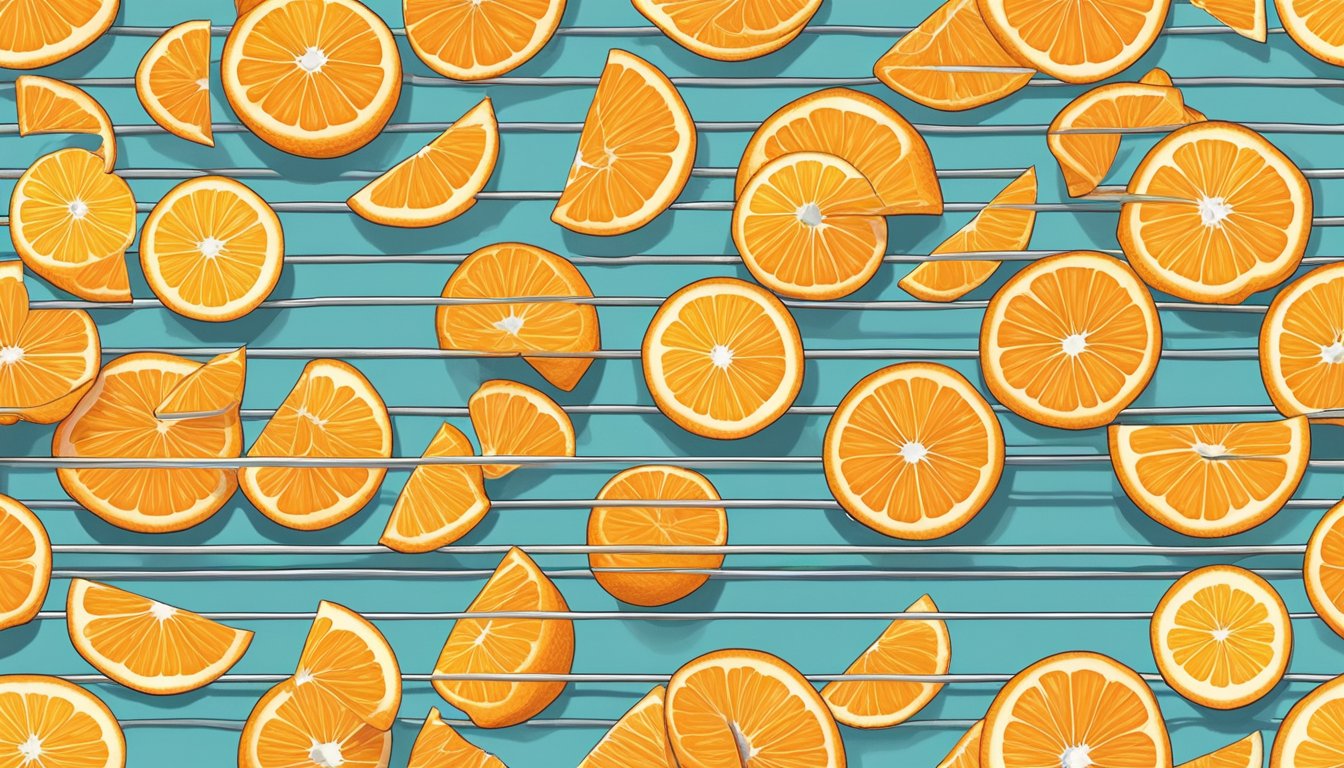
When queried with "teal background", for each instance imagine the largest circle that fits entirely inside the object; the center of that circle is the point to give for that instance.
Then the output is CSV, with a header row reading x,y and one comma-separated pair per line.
x,y
1079,504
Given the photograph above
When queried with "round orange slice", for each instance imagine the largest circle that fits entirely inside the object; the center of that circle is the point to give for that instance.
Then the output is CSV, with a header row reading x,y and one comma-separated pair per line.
x,y
52,722
41,33
347,658
1246,753
1323,569
146,645
966,752
1077,41
1245,17
620,574
440,503
730,30
115,419
438,745
48,357
1313,25
46,105
173,82
1070,340
635,151
1302,345
316,78
215,388
469,40
731,708
1309,737
296,725
513,419
638,738
25,563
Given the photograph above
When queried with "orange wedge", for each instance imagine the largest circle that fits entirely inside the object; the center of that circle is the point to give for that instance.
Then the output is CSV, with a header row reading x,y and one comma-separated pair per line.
x,y
635,151
1309,736
25,563
638,738
55,723
1245,17
966,752
46,105
513,419
440,181
296,725
213,389
1070,340
1246,753
115,419
48,357
1314,25
1075,709
173,82
467,40
1237,221
1323,569
999,226
1180,475
729,30
71,223
316,78
905,647
655,526
1302,344
1077,41
440,503
509,270
348,659
509,646
810,226
438,745
733,708
146,645
39,33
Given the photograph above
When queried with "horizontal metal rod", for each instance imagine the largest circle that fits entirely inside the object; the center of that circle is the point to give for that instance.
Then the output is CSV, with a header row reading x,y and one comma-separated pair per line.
x,y
694,615
901,550
727,172
552,722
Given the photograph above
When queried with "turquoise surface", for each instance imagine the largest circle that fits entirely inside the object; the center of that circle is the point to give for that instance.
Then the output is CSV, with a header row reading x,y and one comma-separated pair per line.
x,y
1072,504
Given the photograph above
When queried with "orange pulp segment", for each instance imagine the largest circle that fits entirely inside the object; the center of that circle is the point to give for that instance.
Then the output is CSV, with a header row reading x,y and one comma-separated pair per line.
x,y
729,30
47,105
440,503
638,738
25,563
213,389
71,726
348,659
468,40
1323,569
1245,17
439,745
513,419
38,32
1246,753
1302,345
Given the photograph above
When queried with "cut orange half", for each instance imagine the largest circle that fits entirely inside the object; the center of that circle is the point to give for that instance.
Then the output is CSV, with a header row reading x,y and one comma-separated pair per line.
x,y
173,82
316,78
296,725
729,30
60,723
1246,753
213,389
440,181
966,752
905,647
348,659
146,645
469,40
1302,345
516,270
1232,217
1077,41
513,419
25,563
39,33
732,708
1309,737
638,738
723,358
1188,477
1222,637
620,574
1323,568
46,105
115,419
440,503
810,226
50,358
508,646
1070,340
1314,25
635,151
439,745
1245,17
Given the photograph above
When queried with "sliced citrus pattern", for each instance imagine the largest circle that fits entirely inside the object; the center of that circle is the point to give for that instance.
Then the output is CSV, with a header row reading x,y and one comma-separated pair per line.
x,y
516,270
638,738
48,357
115,419
173,82
147,645
440,503
1077,41
46,105
513,419
1245,17
723,358
297,725
332,412
213,389
905,647
635,151
655,526
1314,25
1246,753
39,33
730,30
810,226
348,659
1308,737
966,752
1159,76
46,721
469,40
1232,217
1302,344
438,745
316,78
510,646
25,563
1323,569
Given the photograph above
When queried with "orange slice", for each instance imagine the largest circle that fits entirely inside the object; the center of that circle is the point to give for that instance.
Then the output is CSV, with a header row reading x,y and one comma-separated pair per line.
x,y
1313,25
731,708
468,40
638,738
1070,340
440,181
440,503
1302,344
55,723
635,151
913,451
516,270
46,105
147,645
1323,569
115,419
1237,221
1077,41
1075,709
25,563
1245,17
48,357
966,752
296,725
508,646
513,419
173,82
1222,637
810,226
723,358
213,389
655,526
1004,224
71,223
905,647
316,78
729,30
1246,753
439,746
348,659
1309,736
39,33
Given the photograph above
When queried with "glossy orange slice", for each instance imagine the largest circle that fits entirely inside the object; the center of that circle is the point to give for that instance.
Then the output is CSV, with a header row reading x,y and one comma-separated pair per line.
x,y
730,30
173,82
1309,736
213,389
1245,17
348,659
297,725
58,723
46,105
638,738
25,563
1302,345
1077,41
438,745
48,357
469,40
513,419
1246,753
39,32
1314,25
440,503
966,752
1323,569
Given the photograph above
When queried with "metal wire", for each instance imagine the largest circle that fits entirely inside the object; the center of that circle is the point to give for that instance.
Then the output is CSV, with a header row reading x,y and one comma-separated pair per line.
x,y
901,550
695,615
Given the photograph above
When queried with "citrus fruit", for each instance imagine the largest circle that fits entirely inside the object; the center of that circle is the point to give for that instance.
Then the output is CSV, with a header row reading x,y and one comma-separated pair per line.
x,y
316,78
46,105
1234,218
723,358
508,270
1309,737
469,40
905,647
729,30
115,419
71,223
635,151
147,645
1323,569
440,503
1077,41
810,226
513,419
39,32
25,563
731,708
438,745
213,389
510,646
1302,344
1075,709
1245,17
55,723
655,526
638,738
348,659
332,412
1221,636
173,82
1246,753
296,725
48,357
999,226
966,752
1070,340
1313,25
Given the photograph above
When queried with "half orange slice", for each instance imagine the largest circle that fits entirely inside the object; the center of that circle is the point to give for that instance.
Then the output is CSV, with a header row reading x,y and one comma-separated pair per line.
x,y
296,725
440,503
50,355
730,30
439,745
39,33
513,419
468,40
1077,41
1246,753
1323,569
348,659
46,105
25,563
173,82
213,389
1245,17
638,738
1302,345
